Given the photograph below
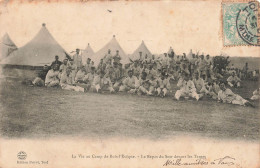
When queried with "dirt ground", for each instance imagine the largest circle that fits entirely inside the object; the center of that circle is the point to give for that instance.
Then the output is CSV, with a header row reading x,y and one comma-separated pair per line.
x,y
33,112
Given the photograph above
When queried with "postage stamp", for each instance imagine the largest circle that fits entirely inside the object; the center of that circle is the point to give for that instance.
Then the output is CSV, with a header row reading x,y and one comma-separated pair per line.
x,y
240,22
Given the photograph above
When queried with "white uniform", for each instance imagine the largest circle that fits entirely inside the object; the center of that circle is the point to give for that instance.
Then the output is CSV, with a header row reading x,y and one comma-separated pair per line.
x,y
52,78
164,86
200,86
77,59
66,83
128,84
228,96
143,87
256,94
80,75
187,89
102,84
233,80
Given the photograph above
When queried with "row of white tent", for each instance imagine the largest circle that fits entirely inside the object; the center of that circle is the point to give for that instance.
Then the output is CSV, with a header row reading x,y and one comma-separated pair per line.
x,y
43,47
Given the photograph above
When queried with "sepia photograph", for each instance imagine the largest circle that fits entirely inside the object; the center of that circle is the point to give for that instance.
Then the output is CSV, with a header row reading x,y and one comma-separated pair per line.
x,y
129,83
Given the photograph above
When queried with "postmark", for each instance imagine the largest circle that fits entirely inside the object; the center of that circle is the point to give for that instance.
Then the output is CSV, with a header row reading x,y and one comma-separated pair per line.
x,y
241,23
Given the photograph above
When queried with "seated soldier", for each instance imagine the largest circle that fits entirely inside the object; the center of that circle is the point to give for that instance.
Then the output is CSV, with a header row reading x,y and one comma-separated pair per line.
x,y
143,85
200,85
66,82
80,75
164,85
115,76
213,89
52,78
136,69
151,72
225,95
128,83
39,80
64,66
89,78
187,88
102,83
185,69
256,94
73,69
233,80
88,65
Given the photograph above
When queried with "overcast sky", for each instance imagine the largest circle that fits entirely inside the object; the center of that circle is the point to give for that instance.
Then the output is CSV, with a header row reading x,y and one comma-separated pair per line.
x,y
182,25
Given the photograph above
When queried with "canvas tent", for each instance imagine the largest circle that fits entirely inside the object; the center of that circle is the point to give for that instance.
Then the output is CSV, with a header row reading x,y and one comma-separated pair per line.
x,y
113,45
87,53
142,48
7,46
39,51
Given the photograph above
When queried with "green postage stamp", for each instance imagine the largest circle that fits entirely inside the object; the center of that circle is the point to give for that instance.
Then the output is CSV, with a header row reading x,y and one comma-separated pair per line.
x,y
241,23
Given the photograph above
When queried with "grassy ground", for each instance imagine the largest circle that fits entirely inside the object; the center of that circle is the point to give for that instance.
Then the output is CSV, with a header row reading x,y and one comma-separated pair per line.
x,y
34,112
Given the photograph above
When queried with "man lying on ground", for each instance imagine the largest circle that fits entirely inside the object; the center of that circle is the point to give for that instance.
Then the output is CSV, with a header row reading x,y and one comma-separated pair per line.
x,y
225,95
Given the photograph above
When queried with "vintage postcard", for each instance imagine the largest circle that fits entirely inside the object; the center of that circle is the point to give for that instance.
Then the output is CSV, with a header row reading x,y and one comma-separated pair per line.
x,y
129,84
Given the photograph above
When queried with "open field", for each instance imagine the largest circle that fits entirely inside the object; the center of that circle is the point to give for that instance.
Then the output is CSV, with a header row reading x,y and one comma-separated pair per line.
x,y
239,62
34,112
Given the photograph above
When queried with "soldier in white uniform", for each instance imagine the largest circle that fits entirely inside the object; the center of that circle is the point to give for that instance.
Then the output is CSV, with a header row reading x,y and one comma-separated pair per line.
x,y
163,85
80,75
102,83
66,82
143,85
128,83
187,88
108,57
256,94
233,80
52,77
225,95
200,85
89,77
77,59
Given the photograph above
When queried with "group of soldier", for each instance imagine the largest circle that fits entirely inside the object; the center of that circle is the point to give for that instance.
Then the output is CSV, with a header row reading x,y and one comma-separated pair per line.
x,y
148,75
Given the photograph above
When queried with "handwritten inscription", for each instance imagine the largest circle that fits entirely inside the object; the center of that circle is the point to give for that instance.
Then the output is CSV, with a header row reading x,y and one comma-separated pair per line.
x,y
227,160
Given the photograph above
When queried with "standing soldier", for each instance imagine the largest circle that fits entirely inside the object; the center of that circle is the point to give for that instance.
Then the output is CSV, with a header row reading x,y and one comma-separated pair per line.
x,y
108,56
245,71
192,64
117,57
77,58
88,65
56,62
